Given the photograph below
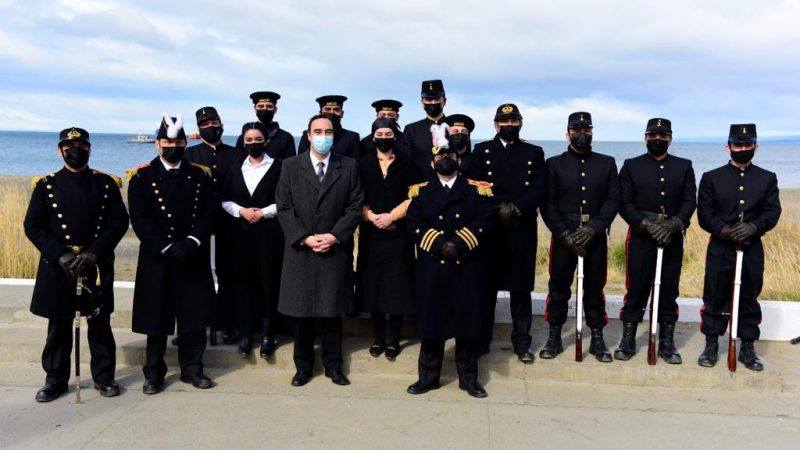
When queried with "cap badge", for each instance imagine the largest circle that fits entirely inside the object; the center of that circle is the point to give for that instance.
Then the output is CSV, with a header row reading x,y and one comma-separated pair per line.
x,y
744,130
659,123
430,86
73,134
581,119
507,109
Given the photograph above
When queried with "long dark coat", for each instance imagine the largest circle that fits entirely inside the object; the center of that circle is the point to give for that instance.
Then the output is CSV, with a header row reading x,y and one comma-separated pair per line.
x,y
450,294
385,269
165,209
69,209
318,284
257,249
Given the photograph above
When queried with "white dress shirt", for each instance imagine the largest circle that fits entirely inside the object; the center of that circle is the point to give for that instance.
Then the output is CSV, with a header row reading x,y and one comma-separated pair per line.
x,y
449,184
252,173
315,161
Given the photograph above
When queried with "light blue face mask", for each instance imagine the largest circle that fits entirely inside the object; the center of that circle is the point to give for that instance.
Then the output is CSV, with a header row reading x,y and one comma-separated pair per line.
x,y
322,144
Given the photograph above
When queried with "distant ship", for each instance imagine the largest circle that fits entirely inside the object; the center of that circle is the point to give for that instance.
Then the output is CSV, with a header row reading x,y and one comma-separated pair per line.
x,y
193,135
140,139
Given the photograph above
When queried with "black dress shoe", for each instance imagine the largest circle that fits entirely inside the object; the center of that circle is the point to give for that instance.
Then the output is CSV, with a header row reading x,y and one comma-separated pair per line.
x,y
152,386
337,377
48,393
230,337
268,346
474,389
526,356
245,345
420,388
392,351
376,349
301,378
110,389
199,381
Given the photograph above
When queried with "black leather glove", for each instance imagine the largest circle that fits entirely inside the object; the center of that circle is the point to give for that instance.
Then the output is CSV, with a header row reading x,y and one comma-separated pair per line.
x,y
65,262
449,251
648,227
568,241
742,232
180,252
725,233
83,262
674,224
508,213
583,235
662,234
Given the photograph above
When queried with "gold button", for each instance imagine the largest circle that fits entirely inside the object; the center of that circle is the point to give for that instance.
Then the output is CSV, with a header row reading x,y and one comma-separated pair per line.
x,y
583,201
60,215
583,161
527,183
487,150
195,206
55,205
49,186
458,216
67,237
741,188
50,195
215,180
662,179
583,188
442,261
417,230
163,207
458,262
741,174
194,215
489,173
156,191
63,226
105,196
169,215
169,236
488,162
196,199
106,186
170,228
583,174
100,218
98,227
663,193
530,163
198,184
661,166
529,172
102,206
741,202
154,183
480,230
95,235
214,166
441,218
160,200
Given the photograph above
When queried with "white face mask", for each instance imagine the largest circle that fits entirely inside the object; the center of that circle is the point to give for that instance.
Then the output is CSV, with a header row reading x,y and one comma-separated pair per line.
x,y
322,144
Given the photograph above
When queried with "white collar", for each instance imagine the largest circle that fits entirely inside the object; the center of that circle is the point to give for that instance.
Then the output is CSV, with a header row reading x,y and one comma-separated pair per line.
x,y
450,183
315,161
167,167
265,161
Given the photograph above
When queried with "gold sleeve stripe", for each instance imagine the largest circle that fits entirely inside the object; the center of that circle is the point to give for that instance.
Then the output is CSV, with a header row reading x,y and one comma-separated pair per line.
x,y
470,237
470,243
428,239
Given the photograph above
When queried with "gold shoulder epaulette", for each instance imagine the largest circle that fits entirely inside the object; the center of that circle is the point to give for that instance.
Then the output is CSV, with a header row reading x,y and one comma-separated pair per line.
x,y
35,180
413,190
484,187
131,172
116,179
205,169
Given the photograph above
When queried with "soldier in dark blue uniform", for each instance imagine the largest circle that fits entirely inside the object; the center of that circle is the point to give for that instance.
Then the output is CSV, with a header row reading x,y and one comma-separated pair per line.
x,y
384,109
280,142
345,142
583,198
172,206
417,141
75,219
219,157
448,219
658,200
737,204
518,175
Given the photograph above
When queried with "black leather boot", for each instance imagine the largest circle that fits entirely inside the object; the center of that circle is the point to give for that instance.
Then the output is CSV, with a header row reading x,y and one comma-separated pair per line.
x,y
627,345
748,357
666,344
711,353
553,346
598,346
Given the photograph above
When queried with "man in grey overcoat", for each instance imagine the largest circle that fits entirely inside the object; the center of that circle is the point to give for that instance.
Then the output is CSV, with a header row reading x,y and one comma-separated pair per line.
x,y
319,200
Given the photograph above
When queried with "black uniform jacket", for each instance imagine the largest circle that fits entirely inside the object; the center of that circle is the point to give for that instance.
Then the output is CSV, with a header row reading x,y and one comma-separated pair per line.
x,y
69,209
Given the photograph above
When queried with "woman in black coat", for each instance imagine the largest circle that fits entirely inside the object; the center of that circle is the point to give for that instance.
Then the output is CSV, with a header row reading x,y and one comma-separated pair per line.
x,y
385,283
249,196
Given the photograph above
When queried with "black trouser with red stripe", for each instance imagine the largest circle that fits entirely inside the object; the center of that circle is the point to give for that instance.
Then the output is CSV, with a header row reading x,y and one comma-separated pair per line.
x,y
718,289
562,270
640,260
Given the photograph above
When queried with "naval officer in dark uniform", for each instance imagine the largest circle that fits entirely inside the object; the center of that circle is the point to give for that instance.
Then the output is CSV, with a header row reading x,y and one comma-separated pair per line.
x,y
172,206
583,198
345,142
280,143
219,157
658,200
518,175
448,220
737,204
384,109
417,140
75,219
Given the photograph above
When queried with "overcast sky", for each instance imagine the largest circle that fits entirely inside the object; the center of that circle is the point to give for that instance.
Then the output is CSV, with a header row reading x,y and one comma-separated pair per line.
x,y
114,66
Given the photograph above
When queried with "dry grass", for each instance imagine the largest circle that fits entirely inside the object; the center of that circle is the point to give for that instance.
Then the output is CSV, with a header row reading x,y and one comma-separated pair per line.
x,y
18,257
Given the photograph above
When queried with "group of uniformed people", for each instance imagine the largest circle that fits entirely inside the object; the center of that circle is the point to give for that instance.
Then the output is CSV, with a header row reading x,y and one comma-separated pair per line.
x,y
441,227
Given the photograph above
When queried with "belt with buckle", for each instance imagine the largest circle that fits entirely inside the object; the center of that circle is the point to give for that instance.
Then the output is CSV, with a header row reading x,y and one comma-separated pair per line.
x,y
658,217
582,218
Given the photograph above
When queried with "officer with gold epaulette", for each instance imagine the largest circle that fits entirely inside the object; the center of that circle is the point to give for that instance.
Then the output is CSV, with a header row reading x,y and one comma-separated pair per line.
x,y
384,109
219,157
658,200
448,220
518,175
583,198
345,142
280,143
172,206
737,204
75,219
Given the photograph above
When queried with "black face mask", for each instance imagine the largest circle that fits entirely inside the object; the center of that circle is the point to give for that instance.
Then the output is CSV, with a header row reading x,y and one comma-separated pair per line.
x,y
581,142
509,133
743,156
256,149
445,166
75,157
265,115
172,154
433,109
384,144
459,141
335,120
211,135
657,147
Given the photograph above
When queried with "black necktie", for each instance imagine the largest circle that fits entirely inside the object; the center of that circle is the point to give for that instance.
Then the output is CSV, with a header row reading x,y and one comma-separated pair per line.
x,y
447,188
173,172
